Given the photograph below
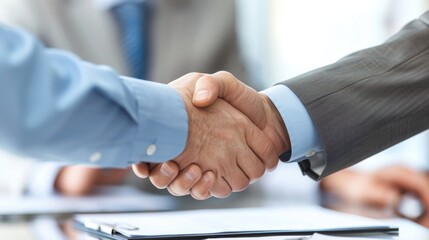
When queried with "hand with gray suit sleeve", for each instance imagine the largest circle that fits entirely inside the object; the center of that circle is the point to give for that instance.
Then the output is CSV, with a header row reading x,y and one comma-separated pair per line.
x,y
360,105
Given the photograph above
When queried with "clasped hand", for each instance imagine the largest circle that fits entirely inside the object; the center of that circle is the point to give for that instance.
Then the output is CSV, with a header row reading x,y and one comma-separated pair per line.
x,y
235,135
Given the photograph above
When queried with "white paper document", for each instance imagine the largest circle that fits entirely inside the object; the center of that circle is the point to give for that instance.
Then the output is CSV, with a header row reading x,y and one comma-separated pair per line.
x,y
225,220
326,237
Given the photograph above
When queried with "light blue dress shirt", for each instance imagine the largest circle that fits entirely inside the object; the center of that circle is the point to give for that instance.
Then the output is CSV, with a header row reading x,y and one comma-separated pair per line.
x,y
303,135
53,106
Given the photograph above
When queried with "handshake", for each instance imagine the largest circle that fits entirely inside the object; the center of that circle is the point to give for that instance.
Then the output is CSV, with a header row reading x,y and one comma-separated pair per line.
x,y
235,134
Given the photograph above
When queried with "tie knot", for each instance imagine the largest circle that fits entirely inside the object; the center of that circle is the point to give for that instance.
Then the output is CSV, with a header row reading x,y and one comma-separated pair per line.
x,y
129,11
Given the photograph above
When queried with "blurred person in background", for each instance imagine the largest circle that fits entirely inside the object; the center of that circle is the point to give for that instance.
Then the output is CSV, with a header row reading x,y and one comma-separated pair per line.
x,y
405,184
80,180
157,40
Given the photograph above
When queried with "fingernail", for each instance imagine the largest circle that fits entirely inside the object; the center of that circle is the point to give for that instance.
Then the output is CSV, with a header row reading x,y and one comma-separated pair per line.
x,y
191,174
207,179
167,170
201,95
138,174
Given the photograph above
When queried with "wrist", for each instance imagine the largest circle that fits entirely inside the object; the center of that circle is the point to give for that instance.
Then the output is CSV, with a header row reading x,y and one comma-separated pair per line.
x,y
279,133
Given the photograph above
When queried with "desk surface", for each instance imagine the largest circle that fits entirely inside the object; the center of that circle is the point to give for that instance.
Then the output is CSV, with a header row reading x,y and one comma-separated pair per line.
x,y
48,228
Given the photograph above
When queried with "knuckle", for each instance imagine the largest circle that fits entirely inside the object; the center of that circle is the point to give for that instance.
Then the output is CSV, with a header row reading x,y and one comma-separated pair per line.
x,y
269,150
225,74
241,121
207,78
191,77
195,169
227,137
194,75
269,155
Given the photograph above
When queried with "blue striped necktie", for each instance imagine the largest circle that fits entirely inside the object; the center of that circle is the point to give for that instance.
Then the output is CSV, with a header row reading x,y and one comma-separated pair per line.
x,y
132,21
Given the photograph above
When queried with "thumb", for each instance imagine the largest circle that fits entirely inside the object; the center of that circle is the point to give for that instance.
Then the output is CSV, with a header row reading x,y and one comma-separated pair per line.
x,y
206,91
224,85
244,98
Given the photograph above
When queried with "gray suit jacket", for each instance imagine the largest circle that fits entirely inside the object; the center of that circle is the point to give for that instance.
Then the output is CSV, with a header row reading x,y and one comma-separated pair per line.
x,y
369,100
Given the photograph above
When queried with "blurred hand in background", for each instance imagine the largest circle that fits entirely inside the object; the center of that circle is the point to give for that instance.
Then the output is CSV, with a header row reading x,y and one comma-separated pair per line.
x,y
381,189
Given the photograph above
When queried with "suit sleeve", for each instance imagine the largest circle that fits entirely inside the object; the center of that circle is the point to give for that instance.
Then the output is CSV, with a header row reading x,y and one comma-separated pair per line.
x,y
369,100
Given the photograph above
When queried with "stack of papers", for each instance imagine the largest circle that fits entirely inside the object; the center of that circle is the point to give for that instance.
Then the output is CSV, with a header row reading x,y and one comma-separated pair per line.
x,y
297,221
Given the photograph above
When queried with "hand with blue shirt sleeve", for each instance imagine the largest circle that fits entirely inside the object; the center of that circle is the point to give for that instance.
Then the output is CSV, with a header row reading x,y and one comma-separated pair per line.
x,y
56,107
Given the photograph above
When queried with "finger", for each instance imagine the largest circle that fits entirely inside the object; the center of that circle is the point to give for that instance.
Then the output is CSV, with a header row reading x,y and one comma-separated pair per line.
x,y
408,180
201,190
221,188
187,178
201,198
163,174
141,170
251,165
152,166
238,180
261,146
224,85
382,196
187,82
424,220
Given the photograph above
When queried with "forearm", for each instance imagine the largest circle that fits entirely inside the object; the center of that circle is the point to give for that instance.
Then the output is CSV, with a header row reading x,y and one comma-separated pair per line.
x,y
369,100
55,106
80,180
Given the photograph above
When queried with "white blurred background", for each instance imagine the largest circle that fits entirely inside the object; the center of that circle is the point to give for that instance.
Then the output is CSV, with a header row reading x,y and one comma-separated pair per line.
x,y
278,40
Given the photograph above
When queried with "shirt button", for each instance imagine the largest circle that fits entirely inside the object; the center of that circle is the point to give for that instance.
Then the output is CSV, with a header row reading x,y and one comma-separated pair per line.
x,y
95,157
310,154
151,150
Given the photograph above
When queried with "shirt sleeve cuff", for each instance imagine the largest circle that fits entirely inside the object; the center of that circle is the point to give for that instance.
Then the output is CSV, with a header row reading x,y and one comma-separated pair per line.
x,y
303,135
42,181
162,121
